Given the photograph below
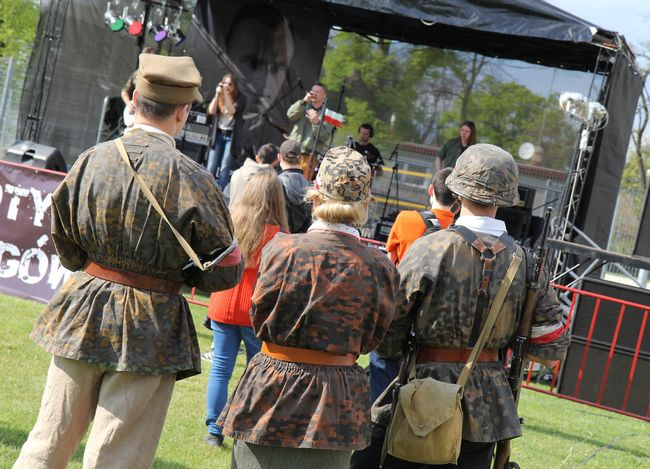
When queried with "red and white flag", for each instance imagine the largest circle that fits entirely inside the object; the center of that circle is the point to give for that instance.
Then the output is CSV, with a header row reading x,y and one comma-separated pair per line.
x,y
334,118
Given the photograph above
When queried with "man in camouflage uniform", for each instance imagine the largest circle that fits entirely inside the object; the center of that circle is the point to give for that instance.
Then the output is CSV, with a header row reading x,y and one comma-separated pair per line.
x,y
119,330
445,272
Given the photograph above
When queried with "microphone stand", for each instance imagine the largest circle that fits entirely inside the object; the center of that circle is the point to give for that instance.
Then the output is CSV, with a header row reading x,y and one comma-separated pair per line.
x,y
393,175
313,156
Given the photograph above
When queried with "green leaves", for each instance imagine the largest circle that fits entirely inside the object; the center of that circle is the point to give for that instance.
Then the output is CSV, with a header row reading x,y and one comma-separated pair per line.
x,y
17,28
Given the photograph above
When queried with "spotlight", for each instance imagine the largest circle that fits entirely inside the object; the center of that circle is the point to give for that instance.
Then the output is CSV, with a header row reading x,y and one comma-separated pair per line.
x,y
177,37
134,26
591,113
113,19
158,32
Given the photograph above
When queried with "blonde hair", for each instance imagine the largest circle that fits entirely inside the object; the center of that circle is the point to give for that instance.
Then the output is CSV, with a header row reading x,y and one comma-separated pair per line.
x,y
336,211
261,203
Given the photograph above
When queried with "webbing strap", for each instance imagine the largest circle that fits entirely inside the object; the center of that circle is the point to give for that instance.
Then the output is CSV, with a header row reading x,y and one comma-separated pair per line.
x,y
487,259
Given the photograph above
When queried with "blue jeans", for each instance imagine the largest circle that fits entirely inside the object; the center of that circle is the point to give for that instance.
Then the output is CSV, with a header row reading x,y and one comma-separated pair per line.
x,y
382,372
220,160
226,345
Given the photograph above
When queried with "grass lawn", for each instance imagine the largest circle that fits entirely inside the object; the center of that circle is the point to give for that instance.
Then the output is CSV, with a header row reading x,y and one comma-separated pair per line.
x,y
558,433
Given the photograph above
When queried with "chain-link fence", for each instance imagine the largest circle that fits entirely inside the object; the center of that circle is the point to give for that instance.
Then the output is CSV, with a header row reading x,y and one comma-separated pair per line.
x,y
12,74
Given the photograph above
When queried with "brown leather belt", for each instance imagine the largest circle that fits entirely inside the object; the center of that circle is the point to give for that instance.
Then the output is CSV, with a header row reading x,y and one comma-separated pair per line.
x,y
308,356
450,355
130,279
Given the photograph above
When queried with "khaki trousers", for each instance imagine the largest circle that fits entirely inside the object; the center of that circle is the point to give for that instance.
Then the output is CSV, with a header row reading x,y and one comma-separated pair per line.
x,y
128,412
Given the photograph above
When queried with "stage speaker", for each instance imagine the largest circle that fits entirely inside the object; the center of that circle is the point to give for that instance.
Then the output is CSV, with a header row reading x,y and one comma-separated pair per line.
x,y
518,218
602,337
37,155
382,229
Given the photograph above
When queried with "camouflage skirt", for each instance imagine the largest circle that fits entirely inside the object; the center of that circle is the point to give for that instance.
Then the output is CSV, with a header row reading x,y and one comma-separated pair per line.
x,y
295,405
250,456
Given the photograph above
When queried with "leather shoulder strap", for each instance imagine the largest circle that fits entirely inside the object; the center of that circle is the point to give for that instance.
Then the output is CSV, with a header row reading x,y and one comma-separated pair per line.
x,y
138,179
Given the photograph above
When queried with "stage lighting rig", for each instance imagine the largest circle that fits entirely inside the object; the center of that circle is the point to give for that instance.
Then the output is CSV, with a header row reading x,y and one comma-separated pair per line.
x,y
590,113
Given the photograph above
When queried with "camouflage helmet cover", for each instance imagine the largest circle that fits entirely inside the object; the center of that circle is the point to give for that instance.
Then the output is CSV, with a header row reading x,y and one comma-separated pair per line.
x,y
486,174
344,175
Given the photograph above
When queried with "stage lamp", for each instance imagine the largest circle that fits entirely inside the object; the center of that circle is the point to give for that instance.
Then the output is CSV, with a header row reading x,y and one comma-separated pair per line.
x,y
133,26
177,37
113,19
590,113
158,32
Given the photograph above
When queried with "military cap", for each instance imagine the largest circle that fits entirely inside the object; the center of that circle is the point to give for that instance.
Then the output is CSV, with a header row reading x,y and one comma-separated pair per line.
x,y
290,150
344,175
169,80
486,174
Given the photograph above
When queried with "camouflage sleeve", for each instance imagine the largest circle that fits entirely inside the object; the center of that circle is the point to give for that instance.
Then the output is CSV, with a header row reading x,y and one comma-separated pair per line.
x,y
211,233
63,220
549,336
296,111
267,289
416,281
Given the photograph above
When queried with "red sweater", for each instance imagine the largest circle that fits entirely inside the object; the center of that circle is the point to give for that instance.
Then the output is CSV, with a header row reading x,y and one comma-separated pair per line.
x,y
232,306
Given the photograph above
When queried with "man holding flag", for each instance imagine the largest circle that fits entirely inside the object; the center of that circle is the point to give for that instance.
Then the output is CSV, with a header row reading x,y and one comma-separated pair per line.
x,y
313,126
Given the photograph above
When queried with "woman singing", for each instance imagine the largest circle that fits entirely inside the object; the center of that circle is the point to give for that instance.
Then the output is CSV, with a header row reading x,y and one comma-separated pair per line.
x,y
228,106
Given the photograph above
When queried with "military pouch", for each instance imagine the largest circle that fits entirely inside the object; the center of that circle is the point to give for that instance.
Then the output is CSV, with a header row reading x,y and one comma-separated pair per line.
x,y
426,426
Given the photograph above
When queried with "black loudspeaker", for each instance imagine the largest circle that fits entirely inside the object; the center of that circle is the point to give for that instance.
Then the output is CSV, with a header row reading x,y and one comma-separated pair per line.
x,y
37,155
642,246
382,229
607,319
518,218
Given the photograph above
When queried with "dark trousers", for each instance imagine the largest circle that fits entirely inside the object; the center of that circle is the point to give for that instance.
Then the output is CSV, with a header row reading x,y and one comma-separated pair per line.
x,y
472,456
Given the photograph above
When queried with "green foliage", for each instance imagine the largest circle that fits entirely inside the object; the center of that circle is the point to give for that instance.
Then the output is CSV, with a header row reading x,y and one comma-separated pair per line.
x,y
557,433
18,20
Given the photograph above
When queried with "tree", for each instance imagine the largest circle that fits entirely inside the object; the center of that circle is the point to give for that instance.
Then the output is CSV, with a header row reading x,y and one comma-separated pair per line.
x,y
18,20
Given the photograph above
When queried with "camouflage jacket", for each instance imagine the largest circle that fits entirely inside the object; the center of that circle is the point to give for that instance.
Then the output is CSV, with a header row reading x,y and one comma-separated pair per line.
x,y
322,291
446,270
99,213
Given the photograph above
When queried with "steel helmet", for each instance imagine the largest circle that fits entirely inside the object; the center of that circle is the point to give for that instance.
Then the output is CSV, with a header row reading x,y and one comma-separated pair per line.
x,y
486,174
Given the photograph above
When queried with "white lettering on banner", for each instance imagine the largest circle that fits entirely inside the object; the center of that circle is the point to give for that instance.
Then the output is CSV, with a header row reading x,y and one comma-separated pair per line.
x,y
42,263
40,206
23,267
9,267
58,273
17,192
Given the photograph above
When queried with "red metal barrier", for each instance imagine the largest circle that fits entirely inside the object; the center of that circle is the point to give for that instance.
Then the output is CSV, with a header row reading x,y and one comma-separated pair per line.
x,y
623,306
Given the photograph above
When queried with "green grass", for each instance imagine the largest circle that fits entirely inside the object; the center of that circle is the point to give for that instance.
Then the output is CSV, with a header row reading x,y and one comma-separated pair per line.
x,y
558,433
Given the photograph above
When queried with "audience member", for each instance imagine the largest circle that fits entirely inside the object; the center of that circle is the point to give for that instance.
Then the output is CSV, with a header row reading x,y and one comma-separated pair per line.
x,y
295,187
266,159
321,299
258,216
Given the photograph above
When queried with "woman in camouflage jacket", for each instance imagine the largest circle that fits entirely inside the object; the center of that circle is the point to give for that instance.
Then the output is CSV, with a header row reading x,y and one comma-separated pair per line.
x,y
321,294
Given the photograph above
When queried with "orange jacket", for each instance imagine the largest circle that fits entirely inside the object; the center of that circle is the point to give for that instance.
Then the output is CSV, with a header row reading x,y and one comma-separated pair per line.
x,y
408,227
232,306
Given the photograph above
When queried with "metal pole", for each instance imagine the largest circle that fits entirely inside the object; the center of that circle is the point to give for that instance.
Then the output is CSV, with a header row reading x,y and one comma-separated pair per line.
x,y
5,93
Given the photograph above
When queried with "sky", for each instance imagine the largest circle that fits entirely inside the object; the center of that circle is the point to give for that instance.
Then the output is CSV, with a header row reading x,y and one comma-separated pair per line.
x,y
631,18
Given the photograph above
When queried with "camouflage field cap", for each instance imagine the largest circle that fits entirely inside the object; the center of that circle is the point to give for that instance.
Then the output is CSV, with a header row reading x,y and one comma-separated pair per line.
x,y
344,175
168,80
486,174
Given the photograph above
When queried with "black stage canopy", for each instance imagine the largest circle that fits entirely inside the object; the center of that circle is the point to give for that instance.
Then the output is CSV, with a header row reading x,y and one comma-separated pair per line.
x,y
529,30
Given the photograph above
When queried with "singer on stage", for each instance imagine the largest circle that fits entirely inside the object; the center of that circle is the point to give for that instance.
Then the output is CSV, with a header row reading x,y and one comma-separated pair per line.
x,y
310,129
